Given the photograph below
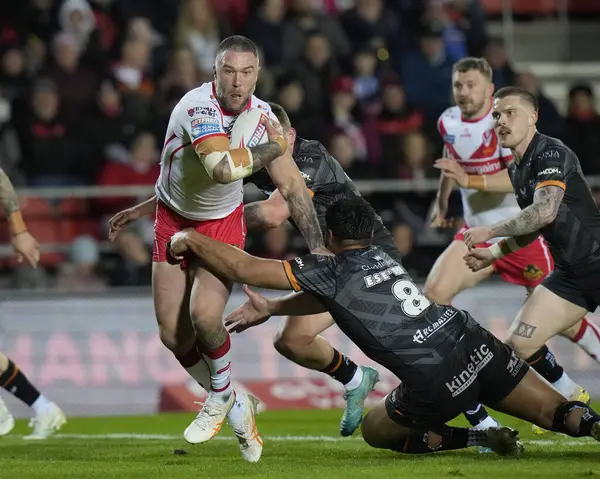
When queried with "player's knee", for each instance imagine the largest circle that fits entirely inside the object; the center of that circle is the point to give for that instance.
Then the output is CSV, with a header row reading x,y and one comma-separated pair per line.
x,y
204,316
173,342
3,362
436,292
289,341
368,430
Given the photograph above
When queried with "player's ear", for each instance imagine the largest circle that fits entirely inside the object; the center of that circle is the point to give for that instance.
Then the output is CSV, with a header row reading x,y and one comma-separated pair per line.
x,y
491,89
534,118
215,71
291,136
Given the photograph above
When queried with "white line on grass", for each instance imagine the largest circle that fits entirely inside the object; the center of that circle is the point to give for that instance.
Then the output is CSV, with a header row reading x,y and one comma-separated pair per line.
x,y
533,442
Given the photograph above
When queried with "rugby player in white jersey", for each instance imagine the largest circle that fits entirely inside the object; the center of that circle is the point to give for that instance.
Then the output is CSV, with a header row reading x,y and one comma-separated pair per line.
x,y
474,160
200,186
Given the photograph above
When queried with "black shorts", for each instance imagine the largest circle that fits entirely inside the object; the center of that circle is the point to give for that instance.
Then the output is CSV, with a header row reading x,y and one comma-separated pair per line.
x,y
579,285
481,369
384,239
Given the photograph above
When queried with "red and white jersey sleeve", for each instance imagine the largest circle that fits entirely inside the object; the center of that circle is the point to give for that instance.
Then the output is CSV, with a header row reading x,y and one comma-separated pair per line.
x,y
184,184
474,144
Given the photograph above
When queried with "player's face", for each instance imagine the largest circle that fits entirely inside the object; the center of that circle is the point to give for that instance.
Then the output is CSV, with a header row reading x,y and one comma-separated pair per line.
x,y
235,79
513,120
471,91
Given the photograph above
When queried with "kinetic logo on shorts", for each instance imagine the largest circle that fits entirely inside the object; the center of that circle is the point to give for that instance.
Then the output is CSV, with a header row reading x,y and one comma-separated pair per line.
x,y
423,334
479,359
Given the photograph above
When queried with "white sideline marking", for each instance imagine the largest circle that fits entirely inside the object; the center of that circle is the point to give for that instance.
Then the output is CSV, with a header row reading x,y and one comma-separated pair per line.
x,y
146,437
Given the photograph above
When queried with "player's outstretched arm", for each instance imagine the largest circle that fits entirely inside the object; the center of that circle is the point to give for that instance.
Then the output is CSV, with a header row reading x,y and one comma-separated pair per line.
x,y
286,176
24,244
266,214
259,309
123,218
231,262
480,258
225,165
498,182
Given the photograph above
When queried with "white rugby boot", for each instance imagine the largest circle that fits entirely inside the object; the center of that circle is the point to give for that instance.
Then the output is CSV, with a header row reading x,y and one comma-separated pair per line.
x,y
46,423
209,420
7,421
242,419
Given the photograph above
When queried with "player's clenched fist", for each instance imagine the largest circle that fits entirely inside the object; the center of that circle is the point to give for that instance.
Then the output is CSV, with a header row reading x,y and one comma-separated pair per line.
x,y
478,259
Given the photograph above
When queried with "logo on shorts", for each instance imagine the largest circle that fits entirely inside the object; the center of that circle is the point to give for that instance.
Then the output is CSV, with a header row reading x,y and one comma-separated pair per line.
x,y
514,365
423,334
532,273
479,359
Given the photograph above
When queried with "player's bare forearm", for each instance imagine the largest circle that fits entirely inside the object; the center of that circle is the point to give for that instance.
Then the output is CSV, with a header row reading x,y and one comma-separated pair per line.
x,y
498,182
8,195
264,154
526,240
237,265
267,214
256,216
295,304
147,207
542,212
304,215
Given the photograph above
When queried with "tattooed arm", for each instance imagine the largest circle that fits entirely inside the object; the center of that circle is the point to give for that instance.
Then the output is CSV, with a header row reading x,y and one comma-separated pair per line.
x,y
265,214
291,185
546,201
24,244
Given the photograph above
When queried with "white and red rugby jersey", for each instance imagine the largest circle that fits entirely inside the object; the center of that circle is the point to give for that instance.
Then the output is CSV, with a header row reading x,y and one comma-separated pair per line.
x,y
474,144
183,184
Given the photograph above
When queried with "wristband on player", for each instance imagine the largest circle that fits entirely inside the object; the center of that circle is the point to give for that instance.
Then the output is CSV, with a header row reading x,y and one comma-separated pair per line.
x,y
16,224
477,182
504,247
282,142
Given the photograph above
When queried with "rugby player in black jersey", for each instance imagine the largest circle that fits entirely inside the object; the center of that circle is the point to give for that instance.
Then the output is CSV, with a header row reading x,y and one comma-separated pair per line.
x,y
556,202
298,338
445,360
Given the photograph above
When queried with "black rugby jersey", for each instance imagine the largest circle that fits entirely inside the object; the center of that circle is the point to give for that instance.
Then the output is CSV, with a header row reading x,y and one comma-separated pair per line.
x,y
377,305
574,236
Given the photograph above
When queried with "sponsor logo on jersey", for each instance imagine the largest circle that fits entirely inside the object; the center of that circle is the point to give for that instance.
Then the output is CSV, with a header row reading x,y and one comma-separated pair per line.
x,y
487,137
304,159
424,334
550,171
466,133
202,129
305,176
299,262
532,273
514,365
478,359
550,154
202,111
199,121
492,167
449,139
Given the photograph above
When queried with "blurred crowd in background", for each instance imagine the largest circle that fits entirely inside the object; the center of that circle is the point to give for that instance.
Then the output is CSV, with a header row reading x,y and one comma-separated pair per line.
x,y
86,90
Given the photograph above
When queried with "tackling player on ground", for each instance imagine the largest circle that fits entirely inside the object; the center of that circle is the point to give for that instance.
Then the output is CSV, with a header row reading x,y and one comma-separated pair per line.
x,y
557,203
48,416
200,186
444,358
478,164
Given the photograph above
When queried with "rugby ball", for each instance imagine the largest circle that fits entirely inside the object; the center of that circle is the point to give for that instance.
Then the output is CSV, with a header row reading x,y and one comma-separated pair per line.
x,y
247,129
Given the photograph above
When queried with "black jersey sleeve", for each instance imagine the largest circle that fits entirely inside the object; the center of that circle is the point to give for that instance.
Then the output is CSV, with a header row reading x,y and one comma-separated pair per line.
x,y
312,273
550,167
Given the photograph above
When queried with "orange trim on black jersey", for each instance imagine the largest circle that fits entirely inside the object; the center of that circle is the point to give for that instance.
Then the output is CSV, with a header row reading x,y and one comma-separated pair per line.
x,y
558,183
290,275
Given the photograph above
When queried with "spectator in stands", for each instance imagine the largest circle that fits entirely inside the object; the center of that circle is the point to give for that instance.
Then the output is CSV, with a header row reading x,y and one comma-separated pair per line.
x,y
201,30
455,40
550,122
290,95
370,24
140,28
396,119
276,244
134,76
495,54
315,71
341,147
42,22
76,83
77,18
14,83
10,151
265,27
182,74
106,128
139,168
80,272
367,84
469,16
583,128
302,20
427,72
416,162
50,153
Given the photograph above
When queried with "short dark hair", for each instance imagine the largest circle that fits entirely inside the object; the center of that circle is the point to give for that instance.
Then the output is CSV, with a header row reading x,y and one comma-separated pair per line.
x,y
281,115
520,92
351,218
472,63
237,43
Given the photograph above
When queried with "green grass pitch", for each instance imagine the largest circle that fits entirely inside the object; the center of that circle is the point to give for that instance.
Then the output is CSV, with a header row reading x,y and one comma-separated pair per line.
x,y
298,444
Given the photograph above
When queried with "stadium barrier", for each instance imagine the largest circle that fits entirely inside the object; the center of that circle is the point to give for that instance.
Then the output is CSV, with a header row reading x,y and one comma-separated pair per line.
x,y
101,355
